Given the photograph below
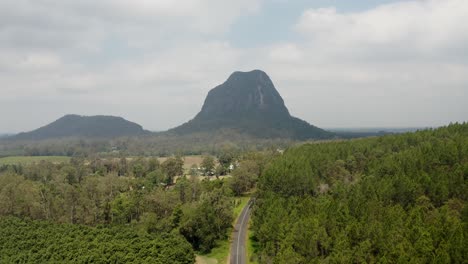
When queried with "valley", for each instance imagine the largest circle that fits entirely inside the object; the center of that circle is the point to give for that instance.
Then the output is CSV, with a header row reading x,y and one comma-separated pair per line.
x,y
233,132
242,182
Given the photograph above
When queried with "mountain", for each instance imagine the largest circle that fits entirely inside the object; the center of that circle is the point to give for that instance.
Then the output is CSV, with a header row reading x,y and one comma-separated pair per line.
x,y
4,135
249,103
84,126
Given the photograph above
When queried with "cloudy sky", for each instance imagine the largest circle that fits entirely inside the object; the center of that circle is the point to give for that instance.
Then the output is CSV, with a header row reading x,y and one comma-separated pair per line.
x,y
337,63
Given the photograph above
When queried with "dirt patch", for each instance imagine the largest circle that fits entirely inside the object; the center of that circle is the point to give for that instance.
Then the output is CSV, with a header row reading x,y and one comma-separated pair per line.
x,y
205,260
188,160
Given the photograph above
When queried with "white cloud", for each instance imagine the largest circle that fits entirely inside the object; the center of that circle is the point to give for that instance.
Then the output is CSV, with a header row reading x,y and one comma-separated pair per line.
x,y
424,27
399,64
62,51
153,61
70,23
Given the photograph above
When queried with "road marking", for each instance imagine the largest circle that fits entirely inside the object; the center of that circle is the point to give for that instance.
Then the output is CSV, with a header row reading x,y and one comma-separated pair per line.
x,y
240,232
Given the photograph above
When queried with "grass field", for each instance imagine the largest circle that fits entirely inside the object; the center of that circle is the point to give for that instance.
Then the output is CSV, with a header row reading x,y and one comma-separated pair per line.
x,y
220,254
250,248
188,161
32,159
205,260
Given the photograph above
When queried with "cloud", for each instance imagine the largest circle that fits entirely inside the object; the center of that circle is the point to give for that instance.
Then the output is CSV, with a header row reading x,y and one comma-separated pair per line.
x,y
96,54
153,61
401,64
85,24
426,28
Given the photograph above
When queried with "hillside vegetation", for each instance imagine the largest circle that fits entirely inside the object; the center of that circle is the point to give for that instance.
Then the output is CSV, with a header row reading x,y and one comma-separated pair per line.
x,y
158,144
393,199
84,127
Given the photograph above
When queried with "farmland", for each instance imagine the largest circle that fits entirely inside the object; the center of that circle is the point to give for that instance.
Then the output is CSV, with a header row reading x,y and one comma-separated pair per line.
x,y
32,159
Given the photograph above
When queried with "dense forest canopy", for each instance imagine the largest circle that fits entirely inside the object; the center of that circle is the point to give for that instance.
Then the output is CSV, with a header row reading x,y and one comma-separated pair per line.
x,y
392,199
397,198
26,241
127,209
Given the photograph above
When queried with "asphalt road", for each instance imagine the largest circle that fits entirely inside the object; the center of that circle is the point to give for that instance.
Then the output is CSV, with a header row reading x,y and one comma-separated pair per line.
x,y
238,246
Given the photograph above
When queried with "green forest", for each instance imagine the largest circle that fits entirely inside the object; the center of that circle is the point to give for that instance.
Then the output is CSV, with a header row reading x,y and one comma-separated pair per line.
x,y
26,241
392,199
120,210
156,144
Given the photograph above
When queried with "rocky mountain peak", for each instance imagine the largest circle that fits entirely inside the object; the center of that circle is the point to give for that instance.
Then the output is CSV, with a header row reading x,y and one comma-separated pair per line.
x,y
249,103
244,93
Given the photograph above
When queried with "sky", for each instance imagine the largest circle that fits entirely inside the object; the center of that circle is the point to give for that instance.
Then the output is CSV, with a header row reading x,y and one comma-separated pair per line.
x,y
337,63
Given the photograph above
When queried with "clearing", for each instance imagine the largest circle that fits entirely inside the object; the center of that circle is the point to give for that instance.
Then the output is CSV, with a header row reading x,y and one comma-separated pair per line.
x,y
32,159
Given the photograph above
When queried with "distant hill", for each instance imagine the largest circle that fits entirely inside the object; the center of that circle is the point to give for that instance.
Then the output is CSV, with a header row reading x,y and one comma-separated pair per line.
x,y
348,133
249,103
84,126
4,135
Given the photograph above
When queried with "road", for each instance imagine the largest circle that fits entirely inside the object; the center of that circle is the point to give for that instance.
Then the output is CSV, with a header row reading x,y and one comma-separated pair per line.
x,y
238,246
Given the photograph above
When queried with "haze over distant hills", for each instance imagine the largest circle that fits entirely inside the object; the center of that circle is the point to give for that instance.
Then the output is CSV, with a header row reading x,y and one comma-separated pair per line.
x,y
84,126
3,135
249,103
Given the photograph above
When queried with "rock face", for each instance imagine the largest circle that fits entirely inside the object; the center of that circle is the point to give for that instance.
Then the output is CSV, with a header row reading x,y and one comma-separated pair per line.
x,y
249,103
244,95
84,127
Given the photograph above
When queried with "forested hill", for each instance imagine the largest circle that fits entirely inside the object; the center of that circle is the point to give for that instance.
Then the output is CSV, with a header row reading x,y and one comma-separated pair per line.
x,y
249,103
392,199
84,126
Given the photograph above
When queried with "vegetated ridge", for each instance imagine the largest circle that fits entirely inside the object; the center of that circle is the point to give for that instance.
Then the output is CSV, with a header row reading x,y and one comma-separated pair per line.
x,y
395,199
249,103
84,126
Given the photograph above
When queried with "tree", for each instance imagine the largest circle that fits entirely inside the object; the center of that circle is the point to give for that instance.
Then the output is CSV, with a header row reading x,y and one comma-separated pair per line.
x,y
173,166
226,158
194,170
122,209
123,167
26,241
208,165
155,178
203,223
220,171
153,164
70,174
396,198
244,177
138,170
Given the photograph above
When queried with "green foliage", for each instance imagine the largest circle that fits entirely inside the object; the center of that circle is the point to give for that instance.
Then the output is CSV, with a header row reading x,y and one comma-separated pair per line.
x,y
393,199
289,176
248,169
134,193
226,158
32,159
208,165
207,221
155,178
26,241
244,177
173,166
156,144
